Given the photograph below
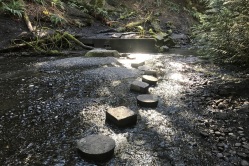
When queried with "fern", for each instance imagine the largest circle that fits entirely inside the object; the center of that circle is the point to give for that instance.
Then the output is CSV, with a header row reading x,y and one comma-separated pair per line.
x,y
15,8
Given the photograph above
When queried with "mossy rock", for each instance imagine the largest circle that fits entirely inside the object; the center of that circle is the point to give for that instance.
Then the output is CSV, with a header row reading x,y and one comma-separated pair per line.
x,y
102,53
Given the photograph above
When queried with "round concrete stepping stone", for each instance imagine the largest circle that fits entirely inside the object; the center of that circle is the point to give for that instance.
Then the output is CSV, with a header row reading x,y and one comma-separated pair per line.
x,y
139,86
96,147
151,72
121,116
144,68
137,64
149,79
147,100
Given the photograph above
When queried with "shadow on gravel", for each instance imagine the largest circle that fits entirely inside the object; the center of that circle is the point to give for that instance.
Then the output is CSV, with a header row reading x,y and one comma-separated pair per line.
x,y
45,112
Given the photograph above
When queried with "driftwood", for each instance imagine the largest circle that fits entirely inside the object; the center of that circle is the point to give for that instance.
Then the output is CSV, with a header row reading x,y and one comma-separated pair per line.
x,y
36,45
137,23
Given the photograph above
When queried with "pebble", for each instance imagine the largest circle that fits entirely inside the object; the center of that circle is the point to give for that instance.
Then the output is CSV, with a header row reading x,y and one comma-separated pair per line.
x,y
245,146
237,144
220,155
243,155
244,163
217,133
240,128
204,134
222,138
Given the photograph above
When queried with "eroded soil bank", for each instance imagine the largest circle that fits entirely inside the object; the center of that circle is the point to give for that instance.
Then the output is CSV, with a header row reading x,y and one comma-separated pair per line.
x,y
48,103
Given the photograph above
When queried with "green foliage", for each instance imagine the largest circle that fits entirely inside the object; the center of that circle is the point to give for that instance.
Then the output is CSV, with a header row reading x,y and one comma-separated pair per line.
x,y
42,2
15,8
58,4
57,19
223,32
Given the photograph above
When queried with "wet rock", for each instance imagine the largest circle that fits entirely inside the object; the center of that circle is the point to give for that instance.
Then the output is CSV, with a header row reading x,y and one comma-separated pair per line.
x,y
164,49
121,116
149,79
243,155
244,108
102,53
244,163
96,147
139,86
221,105
147,100
220,155
204,134
222,138
240,128
237,144
221,115
246,146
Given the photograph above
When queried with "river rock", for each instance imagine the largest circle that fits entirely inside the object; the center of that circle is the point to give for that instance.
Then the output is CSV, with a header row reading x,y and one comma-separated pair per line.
x,y
244,163
149,79
96,147
147,100
102,53
139,86
121,116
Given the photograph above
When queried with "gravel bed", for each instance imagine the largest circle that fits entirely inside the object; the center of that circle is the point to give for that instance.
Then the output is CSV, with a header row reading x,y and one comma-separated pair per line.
x,y
201,118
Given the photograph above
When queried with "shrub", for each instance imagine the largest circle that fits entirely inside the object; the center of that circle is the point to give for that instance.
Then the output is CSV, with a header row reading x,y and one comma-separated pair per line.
x,y
12,7
223,32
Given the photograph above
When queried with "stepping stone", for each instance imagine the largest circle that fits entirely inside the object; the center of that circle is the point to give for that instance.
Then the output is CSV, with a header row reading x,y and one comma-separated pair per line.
x,y
147,100
137,64
151,80
121,116
96,147
144,68
148,71
139,86
151,72
102,53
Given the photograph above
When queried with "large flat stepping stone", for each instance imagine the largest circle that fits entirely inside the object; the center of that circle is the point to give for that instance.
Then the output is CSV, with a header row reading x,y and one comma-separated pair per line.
x,y
137,64
147,100
121,116
151,80
139,86
102,53
148,70
96,147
